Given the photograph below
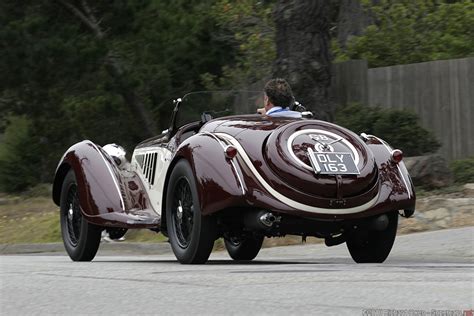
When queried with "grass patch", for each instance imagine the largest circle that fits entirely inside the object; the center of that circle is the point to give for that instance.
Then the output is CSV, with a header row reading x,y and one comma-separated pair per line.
x,y
31,220
43,228
144,235
35,219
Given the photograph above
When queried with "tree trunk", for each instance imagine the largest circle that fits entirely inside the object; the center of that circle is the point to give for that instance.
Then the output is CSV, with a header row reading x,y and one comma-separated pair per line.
x,y
136,105
352,20
113,65
303,57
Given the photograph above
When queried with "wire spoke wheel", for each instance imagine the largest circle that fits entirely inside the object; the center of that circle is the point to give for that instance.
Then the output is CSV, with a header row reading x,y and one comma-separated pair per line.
x,y
73,216
190,233
183,215
81,239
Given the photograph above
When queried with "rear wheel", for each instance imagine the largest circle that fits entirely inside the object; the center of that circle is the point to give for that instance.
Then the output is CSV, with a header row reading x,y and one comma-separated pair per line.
x,y
191,235
81,239
372,246
244,248
116,233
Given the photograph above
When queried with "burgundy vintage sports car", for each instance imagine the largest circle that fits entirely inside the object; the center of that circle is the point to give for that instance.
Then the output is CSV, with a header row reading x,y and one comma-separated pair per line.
x,y
216,173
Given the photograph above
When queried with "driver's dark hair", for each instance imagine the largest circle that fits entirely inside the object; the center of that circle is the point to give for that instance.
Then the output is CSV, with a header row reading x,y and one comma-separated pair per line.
x,y
279,92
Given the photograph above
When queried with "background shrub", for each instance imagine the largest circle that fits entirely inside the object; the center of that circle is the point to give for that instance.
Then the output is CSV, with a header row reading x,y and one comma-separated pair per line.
x,y
400,128
19,156
463,170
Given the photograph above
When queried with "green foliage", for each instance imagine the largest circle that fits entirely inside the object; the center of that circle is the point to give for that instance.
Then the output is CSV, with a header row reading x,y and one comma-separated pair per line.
x,y
400,128
339,54
19,156
248,26
413,31
463,170
56,71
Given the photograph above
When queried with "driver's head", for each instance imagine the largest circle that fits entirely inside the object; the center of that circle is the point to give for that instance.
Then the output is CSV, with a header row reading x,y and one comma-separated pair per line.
x,y
277,93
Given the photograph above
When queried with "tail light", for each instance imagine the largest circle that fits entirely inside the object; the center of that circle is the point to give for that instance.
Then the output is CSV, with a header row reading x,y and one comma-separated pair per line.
x,y
230,151
397,155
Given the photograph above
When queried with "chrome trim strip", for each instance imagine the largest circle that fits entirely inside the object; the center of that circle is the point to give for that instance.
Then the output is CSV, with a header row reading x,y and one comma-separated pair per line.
x,y
286,200
215,137
238,177
404,181
389,149
113,176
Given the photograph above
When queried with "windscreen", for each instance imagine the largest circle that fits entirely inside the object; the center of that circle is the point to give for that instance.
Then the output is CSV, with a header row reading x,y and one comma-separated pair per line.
x,y
217,104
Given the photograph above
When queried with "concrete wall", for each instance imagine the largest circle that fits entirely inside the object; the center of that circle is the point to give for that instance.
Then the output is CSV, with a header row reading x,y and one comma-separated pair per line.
x,y
440,92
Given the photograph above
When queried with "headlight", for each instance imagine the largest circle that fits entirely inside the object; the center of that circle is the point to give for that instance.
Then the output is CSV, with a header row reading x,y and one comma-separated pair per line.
x,y
117,153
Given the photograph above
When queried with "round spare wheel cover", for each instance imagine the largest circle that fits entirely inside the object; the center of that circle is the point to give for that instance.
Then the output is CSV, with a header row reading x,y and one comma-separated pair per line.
x,y
286,154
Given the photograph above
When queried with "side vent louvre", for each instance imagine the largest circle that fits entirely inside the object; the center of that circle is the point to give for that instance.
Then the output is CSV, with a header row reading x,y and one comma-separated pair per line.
x,y
149,166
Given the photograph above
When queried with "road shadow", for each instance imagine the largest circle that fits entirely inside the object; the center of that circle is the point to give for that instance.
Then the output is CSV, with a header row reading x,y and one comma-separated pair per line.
x,y
222,262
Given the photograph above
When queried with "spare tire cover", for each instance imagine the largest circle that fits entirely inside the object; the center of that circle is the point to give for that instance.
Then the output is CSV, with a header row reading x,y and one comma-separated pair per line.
x,y
286,152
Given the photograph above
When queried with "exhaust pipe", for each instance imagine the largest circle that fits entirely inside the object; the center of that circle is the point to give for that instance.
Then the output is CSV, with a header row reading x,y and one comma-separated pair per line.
x,y
335,240
261,220
268,219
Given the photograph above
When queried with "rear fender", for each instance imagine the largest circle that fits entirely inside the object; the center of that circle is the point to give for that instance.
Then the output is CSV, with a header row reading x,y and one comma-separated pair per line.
x,y
219,181
396,184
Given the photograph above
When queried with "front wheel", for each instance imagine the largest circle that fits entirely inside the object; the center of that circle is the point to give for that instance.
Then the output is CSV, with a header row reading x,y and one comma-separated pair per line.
x,y
372,246
191,235
81,239
116,233
245,248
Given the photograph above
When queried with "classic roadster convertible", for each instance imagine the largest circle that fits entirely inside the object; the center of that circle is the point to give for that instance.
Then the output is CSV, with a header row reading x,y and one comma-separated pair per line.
x,y
238,177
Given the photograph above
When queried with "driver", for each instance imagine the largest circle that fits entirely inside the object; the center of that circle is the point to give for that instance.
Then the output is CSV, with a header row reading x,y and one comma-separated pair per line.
x,y
277,99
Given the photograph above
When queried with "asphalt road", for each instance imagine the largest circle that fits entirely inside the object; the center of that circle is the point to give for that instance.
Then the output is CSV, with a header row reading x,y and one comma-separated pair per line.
x,y
425,272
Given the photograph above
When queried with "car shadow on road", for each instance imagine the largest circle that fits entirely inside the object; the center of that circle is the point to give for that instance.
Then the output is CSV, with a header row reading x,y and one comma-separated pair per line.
x,y
223,262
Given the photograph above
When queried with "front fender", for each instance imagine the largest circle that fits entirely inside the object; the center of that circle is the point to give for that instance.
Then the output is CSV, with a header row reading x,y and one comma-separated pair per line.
x,y
218,179
98,183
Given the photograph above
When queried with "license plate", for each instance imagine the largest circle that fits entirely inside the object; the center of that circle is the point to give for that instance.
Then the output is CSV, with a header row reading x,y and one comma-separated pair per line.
x,y
332,163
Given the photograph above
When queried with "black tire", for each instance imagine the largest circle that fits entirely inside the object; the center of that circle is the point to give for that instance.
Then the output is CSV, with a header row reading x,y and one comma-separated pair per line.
x,y
191,235
116,233
81,239
245,248
371,246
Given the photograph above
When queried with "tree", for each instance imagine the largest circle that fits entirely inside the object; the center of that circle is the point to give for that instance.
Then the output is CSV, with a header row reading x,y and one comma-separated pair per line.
x,y
303,57
19,156
248,27
113,64
413,31
352,20
72,80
